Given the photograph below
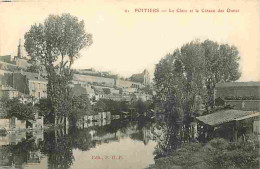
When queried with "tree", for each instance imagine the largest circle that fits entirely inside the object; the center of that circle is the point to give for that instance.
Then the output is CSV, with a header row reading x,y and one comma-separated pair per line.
x,y
33,68
221,64
137,78
14,108
56,44
44,107
80,107
100,106
141,106
190,74
169,80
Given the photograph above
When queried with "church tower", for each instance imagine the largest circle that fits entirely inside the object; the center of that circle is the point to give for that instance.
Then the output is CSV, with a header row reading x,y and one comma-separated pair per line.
x,y
146,76
19,52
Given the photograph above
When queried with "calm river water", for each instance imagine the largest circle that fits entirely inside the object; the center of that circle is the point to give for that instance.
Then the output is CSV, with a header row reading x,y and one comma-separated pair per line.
x,y
101,145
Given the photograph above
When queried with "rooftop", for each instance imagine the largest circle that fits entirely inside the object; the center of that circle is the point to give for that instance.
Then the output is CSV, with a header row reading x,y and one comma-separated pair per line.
x,y
7,88
33,76
224,116
238,84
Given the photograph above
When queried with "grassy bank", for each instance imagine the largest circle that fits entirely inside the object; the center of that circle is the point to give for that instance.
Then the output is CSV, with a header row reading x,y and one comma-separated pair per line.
x,y
218,153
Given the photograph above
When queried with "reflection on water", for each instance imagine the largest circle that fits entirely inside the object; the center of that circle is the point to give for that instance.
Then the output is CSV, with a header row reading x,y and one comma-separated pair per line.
x,y
110,144
171,134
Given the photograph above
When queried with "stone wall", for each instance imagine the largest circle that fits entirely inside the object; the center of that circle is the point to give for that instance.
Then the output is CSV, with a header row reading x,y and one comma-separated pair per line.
x,y
94,79
127,84
123,83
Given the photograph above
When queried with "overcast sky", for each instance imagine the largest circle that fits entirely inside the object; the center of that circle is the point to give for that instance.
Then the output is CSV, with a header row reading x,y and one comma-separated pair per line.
x,y
127,43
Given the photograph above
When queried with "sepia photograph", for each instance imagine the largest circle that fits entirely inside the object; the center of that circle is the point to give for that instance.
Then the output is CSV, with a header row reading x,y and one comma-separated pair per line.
x,y
129,84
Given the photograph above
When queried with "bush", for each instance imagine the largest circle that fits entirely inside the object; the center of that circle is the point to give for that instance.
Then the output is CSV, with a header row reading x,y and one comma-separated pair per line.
x,y
14,108
218,153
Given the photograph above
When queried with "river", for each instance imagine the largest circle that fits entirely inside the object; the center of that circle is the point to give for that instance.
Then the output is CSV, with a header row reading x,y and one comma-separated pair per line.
x,y
112,145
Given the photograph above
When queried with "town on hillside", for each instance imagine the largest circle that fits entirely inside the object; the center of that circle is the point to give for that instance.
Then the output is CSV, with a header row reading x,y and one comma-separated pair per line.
x,y
20,80
195,112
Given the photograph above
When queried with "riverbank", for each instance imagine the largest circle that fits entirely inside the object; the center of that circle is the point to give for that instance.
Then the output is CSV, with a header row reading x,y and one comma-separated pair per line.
x,y
218,153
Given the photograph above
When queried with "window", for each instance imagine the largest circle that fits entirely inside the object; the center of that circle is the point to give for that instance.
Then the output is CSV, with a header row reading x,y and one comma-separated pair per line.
x,y
33,86
44,87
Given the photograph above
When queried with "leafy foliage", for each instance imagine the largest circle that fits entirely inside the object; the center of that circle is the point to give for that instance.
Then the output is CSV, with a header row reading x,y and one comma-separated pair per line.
x,y
218,153
14,108
44,107
33,68
80,106
137,78
141,106
221,64
58,40
188,77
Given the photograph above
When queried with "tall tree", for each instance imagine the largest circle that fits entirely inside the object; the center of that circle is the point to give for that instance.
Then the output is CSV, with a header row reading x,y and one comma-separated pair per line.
x,y
56,44
191,73
221,64
185,79
168,77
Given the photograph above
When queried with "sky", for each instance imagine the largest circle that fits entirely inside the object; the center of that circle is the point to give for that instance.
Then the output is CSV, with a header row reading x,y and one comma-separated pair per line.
x,y
129,42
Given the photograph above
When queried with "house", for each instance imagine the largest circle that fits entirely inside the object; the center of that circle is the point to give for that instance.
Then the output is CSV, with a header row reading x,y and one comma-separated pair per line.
x,y
83,89
8,92
12,124
99,93
239,95
20,60
28,83
230,124
143,78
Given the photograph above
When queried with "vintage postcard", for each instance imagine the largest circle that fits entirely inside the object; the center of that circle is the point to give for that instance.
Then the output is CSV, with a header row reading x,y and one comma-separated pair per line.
x,y
129,84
